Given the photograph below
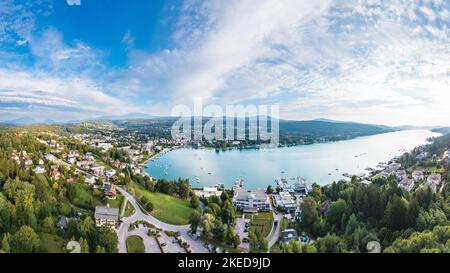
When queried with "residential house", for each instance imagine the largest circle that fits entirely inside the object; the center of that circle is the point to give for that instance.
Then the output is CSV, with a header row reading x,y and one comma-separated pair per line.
x,y
417,176
55,174
433,181
394,166
406,184
288,235
71,159
63,222
106,216
109,190
89,179
39,169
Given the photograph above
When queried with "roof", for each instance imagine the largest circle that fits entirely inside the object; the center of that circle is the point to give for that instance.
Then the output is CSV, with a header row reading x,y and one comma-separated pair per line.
x,y
106,213
244,195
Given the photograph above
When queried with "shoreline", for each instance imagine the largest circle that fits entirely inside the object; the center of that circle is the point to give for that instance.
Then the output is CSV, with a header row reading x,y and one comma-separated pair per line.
x,y
367,173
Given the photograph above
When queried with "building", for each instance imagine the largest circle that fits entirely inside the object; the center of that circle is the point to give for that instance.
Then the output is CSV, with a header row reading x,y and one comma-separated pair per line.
x,y
288,235
433,181
251,200
39,169
395,166
208,192
106,216
406,184
285,200
417,176
90,179
109,190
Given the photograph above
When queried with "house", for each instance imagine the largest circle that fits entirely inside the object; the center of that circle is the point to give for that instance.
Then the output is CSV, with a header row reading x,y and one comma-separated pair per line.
x,y
97,170
90,179
109,190
63,222
71,159
422,156
417,176
303,188
207,192
39,169
28,162
50,158
55,174
110,173
285,200
288,235
251,200
106,216
406,184
433,181
394,166
41,162
89,156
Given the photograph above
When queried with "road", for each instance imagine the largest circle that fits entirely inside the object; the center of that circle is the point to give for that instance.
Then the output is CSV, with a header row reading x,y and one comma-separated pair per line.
x,y
240,227
122,233
275,232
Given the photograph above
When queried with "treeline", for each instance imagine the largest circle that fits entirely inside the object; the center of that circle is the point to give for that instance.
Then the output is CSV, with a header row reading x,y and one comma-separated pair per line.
x,y
346,216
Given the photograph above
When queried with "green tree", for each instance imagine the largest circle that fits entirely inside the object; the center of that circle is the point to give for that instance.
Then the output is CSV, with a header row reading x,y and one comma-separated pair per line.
x,y
5,243
195,220
335,213
195,202
84,246
309,212
25,240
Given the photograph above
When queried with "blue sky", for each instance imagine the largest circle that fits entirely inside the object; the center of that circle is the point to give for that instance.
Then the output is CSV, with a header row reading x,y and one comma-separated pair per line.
x,y
365,61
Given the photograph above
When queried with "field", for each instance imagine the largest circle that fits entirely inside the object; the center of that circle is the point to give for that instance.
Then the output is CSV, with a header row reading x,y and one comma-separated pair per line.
x,y
135,244
262,222
129,210
167,208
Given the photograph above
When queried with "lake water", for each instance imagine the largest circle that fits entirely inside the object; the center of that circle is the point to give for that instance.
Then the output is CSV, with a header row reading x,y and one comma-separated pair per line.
x,y
322,163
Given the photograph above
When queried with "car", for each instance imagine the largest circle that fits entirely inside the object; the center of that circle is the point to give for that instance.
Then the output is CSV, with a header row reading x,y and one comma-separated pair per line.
x,y
246,230
245,240
247,225
163,244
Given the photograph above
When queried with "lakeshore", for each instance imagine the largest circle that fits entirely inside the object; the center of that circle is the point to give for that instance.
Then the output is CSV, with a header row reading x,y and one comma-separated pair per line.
x,y
322,163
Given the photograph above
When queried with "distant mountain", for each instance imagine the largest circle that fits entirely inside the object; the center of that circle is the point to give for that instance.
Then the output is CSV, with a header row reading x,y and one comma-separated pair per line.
x,y
125,117
442,130
20,121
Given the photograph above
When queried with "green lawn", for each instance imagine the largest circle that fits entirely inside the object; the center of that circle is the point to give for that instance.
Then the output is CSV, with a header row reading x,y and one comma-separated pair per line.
x,y
135,244
129,210
116,203
262,222
167,208
50,243
86,197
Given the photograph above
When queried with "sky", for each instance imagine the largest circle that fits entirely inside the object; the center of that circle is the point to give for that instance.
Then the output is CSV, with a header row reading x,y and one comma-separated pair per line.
x,y
383,62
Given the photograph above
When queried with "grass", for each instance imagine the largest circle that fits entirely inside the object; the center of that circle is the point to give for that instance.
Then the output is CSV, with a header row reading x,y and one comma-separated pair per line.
x,y
86,197
169,209
129,210
262,222
116,203
50,243
135,244
436,170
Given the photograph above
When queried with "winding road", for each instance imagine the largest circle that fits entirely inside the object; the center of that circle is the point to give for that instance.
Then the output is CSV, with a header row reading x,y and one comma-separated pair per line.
x,y
195,245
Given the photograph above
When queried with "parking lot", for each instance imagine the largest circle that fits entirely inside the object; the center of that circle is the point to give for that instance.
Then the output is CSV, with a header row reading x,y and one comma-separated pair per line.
x,y
240,230
170,244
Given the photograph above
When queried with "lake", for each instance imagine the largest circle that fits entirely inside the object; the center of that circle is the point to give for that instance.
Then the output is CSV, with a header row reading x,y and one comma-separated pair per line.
x,y
322,163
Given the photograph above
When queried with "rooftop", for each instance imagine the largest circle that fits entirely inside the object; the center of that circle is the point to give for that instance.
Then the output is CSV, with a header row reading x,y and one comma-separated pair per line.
x,y
106,213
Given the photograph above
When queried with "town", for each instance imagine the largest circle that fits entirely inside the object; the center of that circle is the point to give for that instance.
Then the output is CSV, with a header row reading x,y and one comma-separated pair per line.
x,y
99,179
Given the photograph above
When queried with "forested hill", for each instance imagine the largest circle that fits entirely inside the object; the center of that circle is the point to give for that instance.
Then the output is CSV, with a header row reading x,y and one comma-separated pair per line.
x,y
330,130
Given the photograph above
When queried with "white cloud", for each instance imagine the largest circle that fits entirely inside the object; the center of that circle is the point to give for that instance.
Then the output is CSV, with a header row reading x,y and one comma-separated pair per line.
x,y
73,2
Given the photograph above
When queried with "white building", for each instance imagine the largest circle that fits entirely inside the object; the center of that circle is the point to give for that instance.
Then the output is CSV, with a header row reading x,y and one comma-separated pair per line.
x,y
285,200
251,200
406,184
39,169
208,192
89,179
417,176
106,216
433,181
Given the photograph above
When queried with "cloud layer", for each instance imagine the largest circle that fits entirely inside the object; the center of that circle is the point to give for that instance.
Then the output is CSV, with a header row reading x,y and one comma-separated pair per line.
x,y
353,60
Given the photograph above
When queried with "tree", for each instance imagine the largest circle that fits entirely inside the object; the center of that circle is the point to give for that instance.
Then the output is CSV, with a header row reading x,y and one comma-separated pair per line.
x,y
195,220
236,241
100,249
430,219
331,244
25,240
195,202
5,243
84,246
396,213
335,213
107,238
269,189
309,212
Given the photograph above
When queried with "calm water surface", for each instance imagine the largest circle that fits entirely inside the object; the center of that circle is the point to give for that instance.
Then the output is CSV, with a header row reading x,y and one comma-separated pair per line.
x,y
322,163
